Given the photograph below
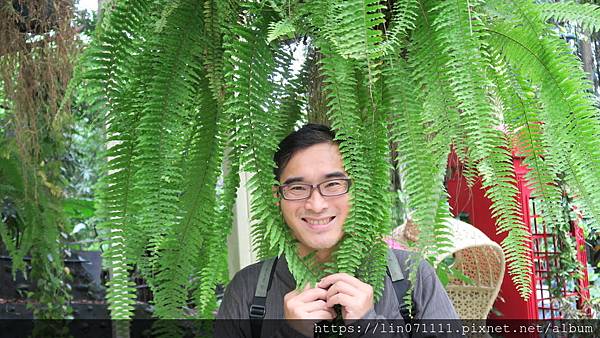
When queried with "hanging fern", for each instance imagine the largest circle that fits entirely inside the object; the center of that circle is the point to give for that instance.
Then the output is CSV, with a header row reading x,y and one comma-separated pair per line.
x,y
353,28
195,91
404,15
570,132
584,15
109,66
423,186
344,113
249,105
521,116
166,217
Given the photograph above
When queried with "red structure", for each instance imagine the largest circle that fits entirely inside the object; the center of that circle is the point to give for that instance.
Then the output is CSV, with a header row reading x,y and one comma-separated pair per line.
x,y
471,206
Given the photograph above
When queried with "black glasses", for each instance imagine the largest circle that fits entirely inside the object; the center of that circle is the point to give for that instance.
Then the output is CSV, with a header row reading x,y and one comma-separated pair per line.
x,y
300,191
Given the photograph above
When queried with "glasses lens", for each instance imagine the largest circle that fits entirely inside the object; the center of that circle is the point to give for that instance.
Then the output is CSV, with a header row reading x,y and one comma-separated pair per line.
x,y
296,191
334,187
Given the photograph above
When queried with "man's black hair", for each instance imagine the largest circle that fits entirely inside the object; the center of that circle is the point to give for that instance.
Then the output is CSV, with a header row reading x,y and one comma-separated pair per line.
x,y
309,135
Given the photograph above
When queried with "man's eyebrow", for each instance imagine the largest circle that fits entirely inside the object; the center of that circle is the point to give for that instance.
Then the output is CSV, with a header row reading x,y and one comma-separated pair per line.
x,y
293,180
336,174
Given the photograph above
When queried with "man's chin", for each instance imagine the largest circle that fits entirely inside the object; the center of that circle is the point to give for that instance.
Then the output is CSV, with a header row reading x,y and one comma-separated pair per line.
x,y
320,246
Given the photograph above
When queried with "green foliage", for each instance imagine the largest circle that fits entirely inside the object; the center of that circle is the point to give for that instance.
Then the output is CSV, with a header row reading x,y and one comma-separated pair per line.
x,y
279,29
404,15
107,73
35,67
250,68
195,92
583,15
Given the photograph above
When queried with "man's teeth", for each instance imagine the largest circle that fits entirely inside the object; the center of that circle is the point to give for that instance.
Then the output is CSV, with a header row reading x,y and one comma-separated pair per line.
x,y
318,221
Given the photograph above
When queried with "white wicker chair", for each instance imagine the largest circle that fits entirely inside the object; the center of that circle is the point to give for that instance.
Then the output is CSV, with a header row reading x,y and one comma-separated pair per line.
x,y
477,257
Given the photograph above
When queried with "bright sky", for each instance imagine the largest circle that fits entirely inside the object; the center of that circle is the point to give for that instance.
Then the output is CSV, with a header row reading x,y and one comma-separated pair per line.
x,y
88,4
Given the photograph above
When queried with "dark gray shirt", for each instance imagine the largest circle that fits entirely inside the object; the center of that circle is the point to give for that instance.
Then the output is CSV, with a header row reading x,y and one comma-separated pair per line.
x,y
430,300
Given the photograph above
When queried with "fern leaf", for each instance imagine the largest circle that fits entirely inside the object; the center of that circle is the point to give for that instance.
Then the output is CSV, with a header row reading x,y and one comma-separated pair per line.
x,y
345,118
251,66
404,16
353,28
421,169
522,116
569,113
585,15
285,27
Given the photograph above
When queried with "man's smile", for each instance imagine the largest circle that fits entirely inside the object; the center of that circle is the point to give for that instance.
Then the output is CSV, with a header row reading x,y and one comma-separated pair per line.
x,y
320,222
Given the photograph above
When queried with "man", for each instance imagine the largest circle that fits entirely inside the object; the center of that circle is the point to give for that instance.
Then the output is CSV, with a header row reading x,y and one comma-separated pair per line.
x,y
314,202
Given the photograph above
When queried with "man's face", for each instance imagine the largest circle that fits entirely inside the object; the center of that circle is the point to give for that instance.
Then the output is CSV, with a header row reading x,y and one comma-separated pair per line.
x,y
317,222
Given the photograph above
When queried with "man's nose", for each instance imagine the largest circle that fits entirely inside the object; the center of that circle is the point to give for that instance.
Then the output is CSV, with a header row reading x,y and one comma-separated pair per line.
x,y
315,201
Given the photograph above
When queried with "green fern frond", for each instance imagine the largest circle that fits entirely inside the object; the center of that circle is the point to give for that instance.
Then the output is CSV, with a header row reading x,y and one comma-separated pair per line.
x,y
250,86
585,15
110,61
375,137
115,208
211,261
404,15
195,229
460,35
285,27
571,125
352,28
363,135
429,64
289,94
106,60
420,168
227,197
441,231
315,14
522,117
172,57
218,16
433,110
345,120
499,180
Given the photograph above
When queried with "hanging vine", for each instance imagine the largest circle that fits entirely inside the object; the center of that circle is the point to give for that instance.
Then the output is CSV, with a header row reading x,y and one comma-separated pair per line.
x,y
37,46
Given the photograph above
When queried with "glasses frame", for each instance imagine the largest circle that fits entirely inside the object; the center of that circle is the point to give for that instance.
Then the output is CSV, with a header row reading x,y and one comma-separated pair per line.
x,y
313,187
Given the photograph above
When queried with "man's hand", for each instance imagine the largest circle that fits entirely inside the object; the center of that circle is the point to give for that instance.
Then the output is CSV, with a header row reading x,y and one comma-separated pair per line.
x,y
309,306
355,297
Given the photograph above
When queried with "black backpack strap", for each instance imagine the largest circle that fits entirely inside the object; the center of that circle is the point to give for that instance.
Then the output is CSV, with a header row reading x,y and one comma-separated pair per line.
x,y
258,306
400,283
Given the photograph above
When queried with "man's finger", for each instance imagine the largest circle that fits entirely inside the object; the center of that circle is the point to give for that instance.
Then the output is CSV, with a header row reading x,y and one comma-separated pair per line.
x,y
343,287
341,299
310,295
336,277
315,306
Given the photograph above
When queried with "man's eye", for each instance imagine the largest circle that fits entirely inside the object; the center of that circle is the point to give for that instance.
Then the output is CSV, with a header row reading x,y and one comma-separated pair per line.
x,y
297,188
